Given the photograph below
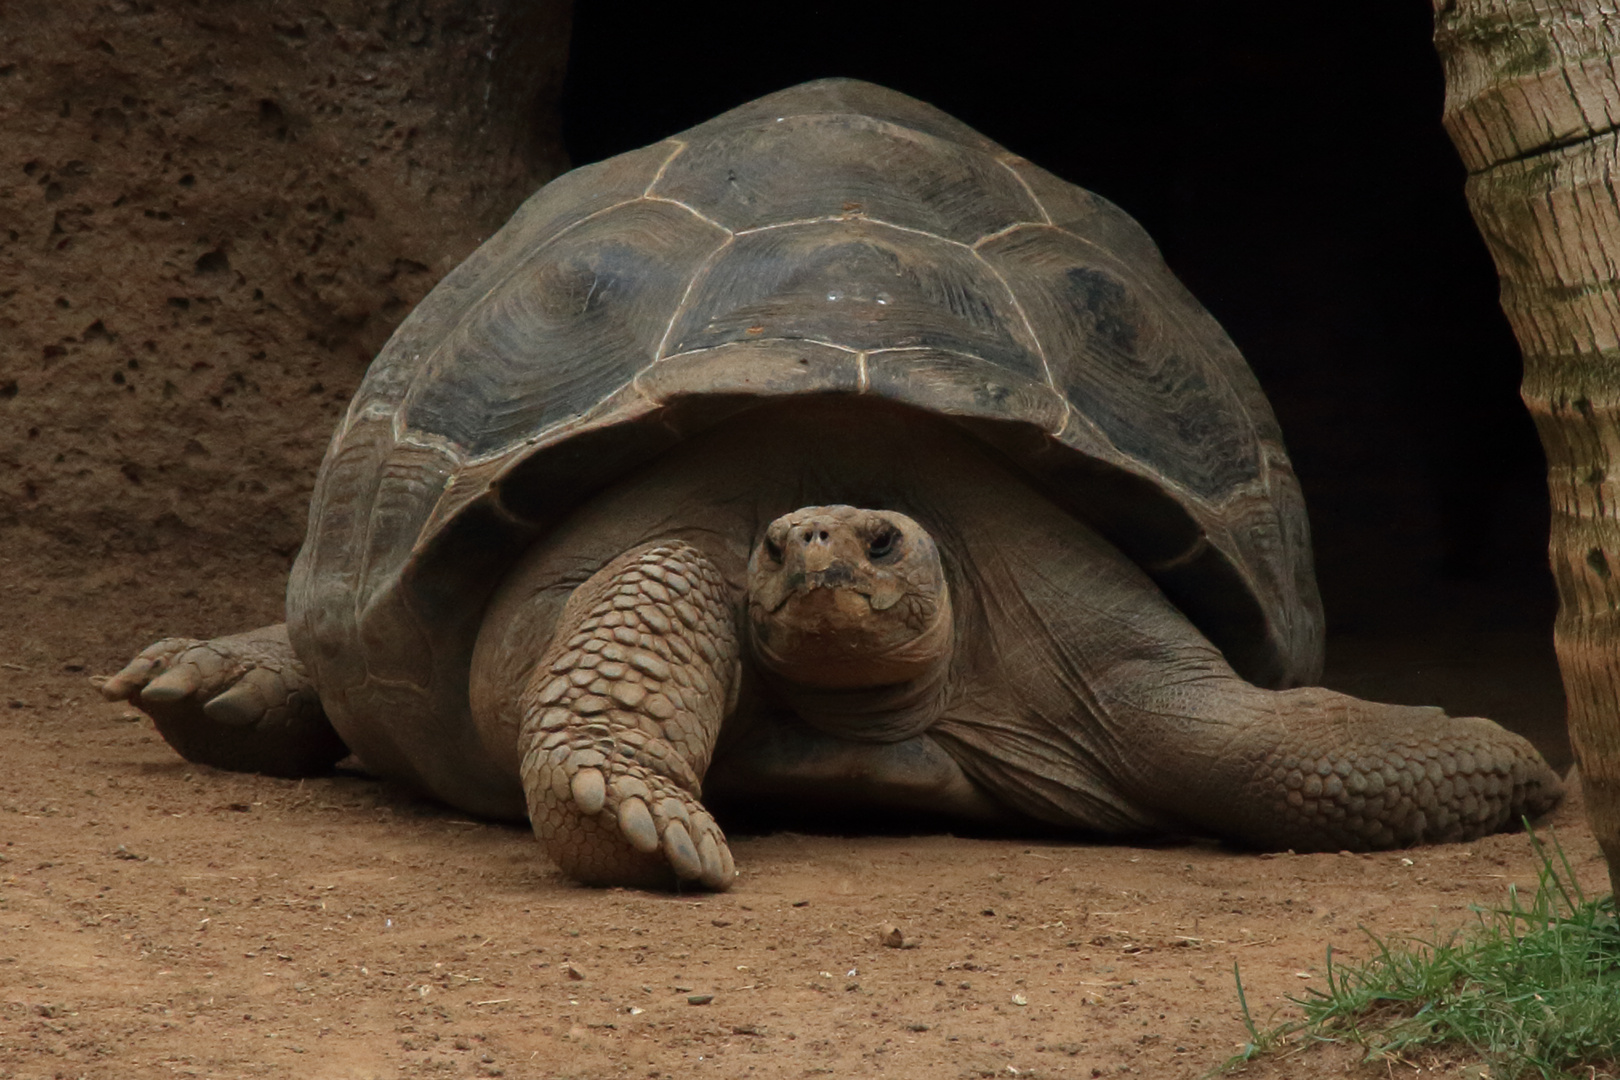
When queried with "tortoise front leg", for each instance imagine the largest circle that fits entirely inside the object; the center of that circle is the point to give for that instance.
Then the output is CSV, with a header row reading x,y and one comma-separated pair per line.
x,y
620,718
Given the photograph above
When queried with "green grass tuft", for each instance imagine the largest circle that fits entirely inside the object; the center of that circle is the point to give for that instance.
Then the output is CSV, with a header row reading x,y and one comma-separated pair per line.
x,y
1533,990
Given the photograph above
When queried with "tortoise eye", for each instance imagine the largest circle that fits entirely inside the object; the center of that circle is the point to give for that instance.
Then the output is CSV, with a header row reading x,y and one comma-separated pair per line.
x,y
882,545
773,550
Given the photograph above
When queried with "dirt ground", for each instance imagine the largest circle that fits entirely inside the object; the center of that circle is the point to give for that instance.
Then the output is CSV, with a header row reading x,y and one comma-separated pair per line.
x,y
159,918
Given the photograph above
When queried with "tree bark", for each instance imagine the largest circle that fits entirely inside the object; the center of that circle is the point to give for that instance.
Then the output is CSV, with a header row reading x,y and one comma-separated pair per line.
x,y
1531,101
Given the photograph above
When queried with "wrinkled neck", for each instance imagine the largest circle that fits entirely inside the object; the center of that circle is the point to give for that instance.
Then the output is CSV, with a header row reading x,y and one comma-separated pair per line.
x,y
889,713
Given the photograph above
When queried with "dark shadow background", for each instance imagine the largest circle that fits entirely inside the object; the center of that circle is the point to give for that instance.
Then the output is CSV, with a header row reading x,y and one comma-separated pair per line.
x,y
1290,162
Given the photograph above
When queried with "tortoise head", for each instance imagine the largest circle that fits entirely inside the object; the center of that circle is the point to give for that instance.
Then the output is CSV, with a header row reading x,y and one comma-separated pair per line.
x,y
843,598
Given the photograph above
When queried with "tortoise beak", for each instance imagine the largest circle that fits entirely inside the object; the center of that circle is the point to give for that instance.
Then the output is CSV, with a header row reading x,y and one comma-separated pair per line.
x,y
816,588
819,554
838,575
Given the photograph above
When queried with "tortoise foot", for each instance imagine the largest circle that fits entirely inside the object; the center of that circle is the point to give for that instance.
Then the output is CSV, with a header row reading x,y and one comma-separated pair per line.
x,y
620,719
1351,774
242,703
621,823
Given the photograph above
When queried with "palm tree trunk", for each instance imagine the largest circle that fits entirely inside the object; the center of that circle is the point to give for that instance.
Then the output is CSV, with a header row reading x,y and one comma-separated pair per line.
x,y
1532,98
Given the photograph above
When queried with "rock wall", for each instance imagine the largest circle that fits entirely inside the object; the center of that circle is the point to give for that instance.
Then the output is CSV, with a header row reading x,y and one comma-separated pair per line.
x,y
212,214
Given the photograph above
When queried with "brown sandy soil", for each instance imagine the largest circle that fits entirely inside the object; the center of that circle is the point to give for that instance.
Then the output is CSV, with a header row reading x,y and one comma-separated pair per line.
x,y
159,918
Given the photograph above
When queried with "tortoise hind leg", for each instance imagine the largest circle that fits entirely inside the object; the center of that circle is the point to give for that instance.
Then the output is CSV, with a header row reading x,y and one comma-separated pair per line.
x,y
242,703
1312,769
1176,740
620,718
1107,709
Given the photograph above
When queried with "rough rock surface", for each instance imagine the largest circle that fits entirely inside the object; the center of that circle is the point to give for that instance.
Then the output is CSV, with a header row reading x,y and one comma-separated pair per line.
x,y
211,216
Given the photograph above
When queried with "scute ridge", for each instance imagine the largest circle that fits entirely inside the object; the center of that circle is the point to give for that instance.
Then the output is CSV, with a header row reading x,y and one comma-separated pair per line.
x,y
898,227
694,211
813,164
1029,327
679,147
686,295
990,238
1010,163
796,340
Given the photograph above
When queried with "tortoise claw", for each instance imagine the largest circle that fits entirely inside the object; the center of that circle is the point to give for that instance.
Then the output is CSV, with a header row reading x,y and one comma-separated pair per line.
x,y
636,822
589,790
682,855
171,686
237,707
714,874
128,682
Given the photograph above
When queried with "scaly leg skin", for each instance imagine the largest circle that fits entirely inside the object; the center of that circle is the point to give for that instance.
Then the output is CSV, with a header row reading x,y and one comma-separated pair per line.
x,y
1321,771
242,703
620,719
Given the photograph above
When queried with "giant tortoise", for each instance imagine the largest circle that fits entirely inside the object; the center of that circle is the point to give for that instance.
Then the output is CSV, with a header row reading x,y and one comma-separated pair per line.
x,y
825,455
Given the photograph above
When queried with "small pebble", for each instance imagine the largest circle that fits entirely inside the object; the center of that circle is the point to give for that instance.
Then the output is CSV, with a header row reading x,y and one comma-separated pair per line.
x,y
573,972
699,999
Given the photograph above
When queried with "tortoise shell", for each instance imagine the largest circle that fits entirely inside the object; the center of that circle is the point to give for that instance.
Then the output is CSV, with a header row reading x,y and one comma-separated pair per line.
x,y
832,238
